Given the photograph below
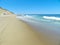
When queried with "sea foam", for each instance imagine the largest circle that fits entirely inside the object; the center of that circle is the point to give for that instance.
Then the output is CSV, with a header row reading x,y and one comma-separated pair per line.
x,y
52,18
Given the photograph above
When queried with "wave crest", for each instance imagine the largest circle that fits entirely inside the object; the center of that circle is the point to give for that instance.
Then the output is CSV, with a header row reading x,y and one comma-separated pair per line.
x,y
51,18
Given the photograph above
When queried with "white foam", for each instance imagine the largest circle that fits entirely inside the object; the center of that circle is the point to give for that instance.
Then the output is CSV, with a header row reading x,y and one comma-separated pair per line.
x,y
52,18
28,16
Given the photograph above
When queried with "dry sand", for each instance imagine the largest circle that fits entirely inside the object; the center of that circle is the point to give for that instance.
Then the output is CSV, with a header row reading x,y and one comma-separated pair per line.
x,y
16,32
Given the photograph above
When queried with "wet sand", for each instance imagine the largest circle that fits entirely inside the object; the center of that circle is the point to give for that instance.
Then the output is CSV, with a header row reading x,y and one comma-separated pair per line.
x,y
49,33
16,32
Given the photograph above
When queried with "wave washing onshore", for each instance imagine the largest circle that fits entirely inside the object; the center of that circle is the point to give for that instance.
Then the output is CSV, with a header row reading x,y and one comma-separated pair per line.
x,y
42,19
48,25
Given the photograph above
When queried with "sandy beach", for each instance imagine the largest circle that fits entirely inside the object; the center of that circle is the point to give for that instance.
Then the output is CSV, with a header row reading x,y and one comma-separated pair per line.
x,y
16,32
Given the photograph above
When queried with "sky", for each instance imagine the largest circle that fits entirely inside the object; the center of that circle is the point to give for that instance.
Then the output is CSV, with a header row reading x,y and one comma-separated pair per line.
x,y
32,6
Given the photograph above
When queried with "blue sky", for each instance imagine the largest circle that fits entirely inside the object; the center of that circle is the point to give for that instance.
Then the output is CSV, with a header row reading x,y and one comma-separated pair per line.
x,y
32,6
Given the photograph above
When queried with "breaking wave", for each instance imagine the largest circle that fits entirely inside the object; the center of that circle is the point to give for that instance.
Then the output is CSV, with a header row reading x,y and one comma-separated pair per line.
x,y
51,18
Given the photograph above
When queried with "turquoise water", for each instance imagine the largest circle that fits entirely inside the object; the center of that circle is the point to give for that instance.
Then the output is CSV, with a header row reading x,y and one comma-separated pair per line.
x,y
40,18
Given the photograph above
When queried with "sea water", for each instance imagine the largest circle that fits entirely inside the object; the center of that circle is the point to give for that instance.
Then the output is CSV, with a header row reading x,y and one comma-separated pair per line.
x,y
47,21
46,18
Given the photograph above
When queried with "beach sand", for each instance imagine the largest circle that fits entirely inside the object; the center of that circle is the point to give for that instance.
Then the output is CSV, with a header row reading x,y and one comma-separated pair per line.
x,y
16,32
13,31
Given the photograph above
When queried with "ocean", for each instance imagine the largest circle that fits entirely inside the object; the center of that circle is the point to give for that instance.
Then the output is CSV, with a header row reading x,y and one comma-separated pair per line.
x,y
48,18
52,21
47,21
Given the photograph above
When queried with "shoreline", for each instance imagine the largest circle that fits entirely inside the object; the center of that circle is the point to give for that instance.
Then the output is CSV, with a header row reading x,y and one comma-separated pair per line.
x,y
51,31
24,32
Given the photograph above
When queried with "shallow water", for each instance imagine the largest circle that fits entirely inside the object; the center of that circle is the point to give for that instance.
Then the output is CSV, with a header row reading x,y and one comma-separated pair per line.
x,y
52,24
48,27
48,24
40,17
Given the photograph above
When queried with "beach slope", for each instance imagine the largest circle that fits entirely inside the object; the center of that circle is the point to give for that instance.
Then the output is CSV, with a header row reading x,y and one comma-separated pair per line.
x,y
15,32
